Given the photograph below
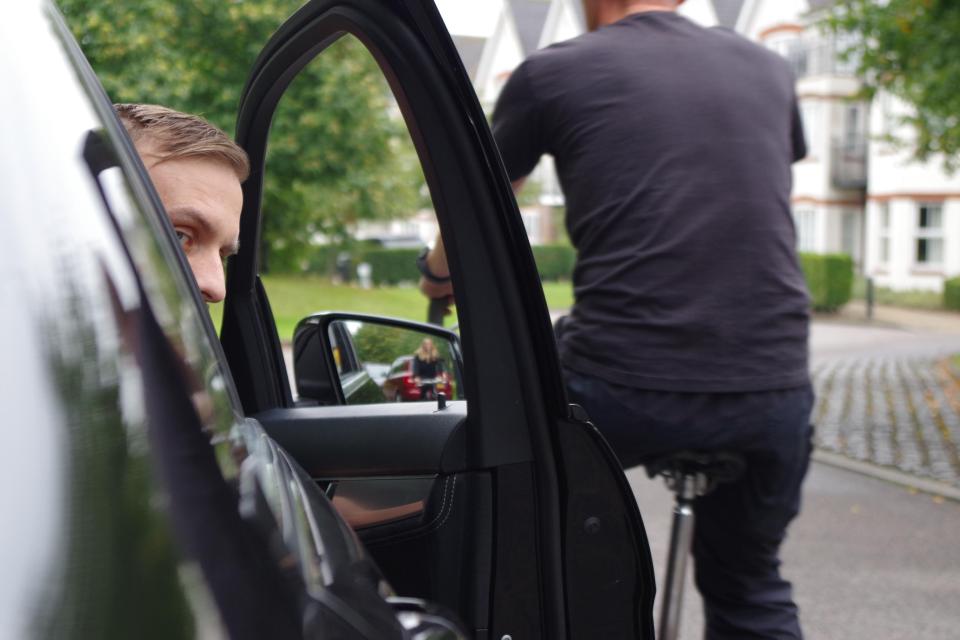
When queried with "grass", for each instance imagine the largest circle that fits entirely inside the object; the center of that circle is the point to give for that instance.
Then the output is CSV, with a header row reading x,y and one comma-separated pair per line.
x,y
913,299
295,297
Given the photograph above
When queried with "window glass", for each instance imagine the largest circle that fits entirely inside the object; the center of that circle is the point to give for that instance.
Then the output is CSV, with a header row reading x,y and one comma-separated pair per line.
x,y
884,232
811,115
929,242
805,222
930,216
850,234
346,208
852,125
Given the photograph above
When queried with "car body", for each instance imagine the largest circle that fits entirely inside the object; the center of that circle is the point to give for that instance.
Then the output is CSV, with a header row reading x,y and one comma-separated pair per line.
x,y
401,385
161,482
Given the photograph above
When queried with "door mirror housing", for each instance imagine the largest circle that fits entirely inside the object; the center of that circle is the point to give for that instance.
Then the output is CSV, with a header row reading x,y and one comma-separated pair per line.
x,y
354,358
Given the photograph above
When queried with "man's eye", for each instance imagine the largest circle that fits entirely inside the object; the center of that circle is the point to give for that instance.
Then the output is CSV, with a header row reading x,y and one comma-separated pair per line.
x,y
184,238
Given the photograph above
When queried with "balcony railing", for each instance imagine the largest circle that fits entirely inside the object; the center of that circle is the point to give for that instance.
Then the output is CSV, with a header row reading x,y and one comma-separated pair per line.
x,y
817,56
848,164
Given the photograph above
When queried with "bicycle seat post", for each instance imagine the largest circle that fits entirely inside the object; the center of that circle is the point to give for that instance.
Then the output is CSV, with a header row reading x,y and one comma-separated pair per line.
x,y
689,474
686,486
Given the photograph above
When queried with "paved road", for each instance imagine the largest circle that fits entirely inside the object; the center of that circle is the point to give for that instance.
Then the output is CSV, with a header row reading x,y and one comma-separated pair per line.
x,y
869,560
885,395
833,340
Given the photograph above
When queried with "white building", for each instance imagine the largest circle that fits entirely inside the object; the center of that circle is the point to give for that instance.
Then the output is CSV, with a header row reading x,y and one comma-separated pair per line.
x,y
898,218
829,184
913,209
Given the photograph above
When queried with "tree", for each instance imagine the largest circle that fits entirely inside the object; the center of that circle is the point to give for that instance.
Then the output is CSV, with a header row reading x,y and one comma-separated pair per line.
x,y
910,49
338,153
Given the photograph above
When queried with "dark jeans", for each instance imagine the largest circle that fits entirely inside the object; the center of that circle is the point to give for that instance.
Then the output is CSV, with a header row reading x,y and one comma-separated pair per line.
x,y
740,526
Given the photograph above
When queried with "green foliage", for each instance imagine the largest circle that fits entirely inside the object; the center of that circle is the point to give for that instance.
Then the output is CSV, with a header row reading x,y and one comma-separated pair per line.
x,y
951,294
392,266
829,279
322,260
907,298
337,152
555,261
363,390
384,344
910,48
336,156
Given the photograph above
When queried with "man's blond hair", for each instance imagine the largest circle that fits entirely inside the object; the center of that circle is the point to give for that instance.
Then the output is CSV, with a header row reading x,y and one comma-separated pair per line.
x,y
180,135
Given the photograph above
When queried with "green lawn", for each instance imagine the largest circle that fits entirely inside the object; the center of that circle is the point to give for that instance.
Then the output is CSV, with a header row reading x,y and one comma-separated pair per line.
x,y
913,299
295,297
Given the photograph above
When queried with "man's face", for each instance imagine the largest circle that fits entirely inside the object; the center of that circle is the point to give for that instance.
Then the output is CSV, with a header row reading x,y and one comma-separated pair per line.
x,y
203,198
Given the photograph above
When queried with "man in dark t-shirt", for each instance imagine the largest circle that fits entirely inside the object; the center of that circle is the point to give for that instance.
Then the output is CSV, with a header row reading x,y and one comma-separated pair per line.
x,y
673,146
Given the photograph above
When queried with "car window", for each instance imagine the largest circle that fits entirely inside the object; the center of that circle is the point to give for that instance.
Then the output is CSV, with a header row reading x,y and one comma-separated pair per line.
x,y
346,209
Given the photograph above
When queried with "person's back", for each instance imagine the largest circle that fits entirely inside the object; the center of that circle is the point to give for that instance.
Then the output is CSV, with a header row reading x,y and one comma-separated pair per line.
x,y
673,144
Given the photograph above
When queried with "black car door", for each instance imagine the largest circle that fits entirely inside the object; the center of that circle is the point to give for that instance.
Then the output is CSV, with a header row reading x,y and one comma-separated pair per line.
x,y
516,513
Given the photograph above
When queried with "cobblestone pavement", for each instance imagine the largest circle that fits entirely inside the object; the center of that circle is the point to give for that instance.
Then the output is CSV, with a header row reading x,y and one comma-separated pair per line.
x,y
889,397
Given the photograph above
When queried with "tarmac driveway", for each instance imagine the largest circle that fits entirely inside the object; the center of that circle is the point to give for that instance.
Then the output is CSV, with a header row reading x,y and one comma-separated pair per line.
x,y
869,560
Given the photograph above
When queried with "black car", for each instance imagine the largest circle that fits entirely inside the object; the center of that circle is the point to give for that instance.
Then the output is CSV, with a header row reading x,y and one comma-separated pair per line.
x,y
161,482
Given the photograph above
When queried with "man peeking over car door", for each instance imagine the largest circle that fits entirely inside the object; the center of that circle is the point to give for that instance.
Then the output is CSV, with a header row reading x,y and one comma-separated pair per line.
x,y
197,171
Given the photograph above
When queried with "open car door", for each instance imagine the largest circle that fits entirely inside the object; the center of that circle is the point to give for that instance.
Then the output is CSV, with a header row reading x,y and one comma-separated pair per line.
x,y
506,506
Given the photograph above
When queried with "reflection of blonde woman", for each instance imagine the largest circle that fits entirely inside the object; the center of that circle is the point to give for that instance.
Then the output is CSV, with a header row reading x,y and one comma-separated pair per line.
x,y
426,367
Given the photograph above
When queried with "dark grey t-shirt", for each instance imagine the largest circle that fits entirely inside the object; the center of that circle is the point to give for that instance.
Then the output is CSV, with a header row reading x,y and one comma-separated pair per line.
x,y
673,145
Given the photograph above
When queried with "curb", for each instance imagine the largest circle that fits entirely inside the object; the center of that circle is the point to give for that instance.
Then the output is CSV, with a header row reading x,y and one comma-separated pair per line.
x,y
933,487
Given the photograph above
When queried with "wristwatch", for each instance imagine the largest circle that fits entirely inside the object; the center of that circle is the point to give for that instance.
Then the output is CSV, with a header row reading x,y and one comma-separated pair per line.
x,y
425,269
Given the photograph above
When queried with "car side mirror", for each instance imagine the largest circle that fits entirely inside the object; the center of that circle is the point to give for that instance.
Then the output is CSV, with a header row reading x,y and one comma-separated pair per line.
x,y
353,358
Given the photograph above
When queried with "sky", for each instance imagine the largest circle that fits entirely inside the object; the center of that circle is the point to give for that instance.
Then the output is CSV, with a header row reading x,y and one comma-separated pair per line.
x,y
470,17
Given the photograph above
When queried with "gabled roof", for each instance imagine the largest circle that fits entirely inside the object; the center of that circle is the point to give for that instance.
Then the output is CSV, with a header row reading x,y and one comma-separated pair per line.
x,y
529,16
470,49
727,12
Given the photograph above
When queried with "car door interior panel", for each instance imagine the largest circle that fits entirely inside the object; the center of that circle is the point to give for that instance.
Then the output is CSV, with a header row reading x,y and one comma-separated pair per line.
x,y
372,440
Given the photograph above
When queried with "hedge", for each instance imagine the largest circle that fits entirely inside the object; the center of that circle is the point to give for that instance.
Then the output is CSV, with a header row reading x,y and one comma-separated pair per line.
x,y
829,279
554,261
391,266
951,294
323,259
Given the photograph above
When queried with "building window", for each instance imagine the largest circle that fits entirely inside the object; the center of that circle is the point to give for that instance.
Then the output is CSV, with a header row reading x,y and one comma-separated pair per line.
x,y
929,234
853,132
805,222
810,113
796,54
850,234
884,232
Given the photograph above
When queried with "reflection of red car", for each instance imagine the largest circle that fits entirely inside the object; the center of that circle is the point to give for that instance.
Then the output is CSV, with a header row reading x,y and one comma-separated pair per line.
x,y
401,387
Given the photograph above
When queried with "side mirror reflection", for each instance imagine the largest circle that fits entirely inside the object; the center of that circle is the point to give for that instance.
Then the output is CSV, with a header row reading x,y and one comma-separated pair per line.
x,y
342,358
